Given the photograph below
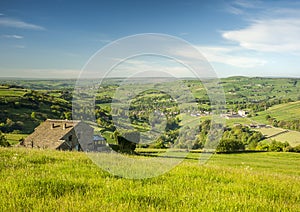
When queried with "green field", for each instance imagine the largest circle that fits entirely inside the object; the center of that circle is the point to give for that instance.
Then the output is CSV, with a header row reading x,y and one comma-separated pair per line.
x,y
288,111
14,138
11,92
292,137
35,180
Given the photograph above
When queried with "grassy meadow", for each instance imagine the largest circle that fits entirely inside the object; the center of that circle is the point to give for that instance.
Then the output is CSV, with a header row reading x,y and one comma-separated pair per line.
x,y
14,138
34,180
287,111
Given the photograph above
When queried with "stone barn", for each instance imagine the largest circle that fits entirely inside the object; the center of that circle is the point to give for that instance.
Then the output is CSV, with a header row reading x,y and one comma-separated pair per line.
x,y
60,135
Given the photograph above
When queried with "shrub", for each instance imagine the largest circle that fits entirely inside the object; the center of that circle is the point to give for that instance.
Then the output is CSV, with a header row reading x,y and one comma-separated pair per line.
x,y
127,140
230,145
3,140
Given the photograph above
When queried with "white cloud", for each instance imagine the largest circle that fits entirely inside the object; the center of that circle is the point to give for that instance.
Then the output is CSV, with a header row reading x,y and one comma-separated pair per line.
x,y
10,22
228,55
276,35
13,36
232,56
246,4
240,7
234,10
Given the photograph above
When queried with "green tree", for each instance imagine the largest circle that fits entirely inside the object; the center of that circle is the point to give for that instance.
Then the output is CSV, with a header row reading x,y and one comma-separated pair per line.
x,y
127,140
33,115
230,145
3,140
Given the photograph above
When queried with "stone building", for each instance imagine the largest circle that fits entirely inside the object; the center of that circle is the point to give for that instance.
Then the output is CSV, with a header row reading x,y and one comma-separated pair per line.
x,y
60,135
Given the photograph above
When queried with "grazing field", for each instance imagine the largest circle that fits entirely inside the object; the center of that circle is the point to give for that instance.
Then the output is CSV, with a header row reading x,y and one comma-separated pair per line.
x,y
287,111
4,92
69,181
243,121
282,135
292,137
14,138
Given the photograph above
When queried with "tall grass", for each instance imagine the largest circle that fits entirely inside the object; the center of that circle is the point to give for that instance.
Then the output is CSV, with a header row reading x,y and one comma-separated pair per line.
x,y
68,181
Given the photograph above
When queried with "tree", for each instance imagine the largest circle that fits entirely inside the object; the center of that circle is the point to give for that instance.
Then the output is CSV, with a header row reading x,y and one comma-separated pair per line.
x,y
3,140
127,140
33,115
230,145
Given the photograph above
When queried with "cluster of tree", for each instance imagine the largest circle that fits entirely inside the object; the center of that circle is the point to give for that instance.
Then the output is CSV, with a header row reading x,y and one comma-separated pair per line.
x,y
237,138
256,106
10,126
274,146
291,124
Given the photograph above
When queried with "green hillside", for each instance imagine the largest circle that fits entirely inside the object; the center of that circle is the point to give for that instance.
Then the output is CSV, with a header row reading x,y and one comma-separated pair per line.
x,y
287,111
22,109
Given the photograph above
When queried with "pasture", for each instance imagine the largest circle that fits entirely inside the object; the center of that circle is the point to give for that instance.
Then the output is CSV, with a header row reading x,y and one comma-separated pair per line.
x,y
68,181
287,111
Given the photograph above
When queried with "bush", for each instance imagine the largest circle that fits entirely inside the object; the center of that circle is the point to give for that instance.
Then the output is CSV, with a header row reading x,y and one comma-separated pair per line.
x,y
274,146
230,145
127,140
295,149
3,140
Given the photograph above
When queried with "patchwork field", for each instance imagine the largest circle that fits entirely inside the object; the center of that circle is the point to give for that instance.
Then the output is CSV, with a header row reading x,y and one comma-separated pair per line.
x,y
68,181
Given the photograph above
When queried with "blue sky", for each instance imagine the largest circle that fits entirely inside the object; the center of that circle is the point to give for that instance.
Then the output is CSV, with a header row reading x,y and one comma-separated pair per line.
x,y
54,39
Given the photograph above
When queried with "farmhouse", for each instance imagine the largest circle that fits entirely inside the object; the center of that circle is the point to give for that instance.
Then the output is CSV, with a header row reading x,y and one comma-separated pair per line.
x,y
243,113
60,135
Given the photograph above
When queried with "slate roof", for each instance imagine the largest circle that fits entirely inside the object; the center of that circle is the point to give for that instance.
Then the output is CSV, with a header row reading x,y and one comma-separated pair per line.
x,y
50,133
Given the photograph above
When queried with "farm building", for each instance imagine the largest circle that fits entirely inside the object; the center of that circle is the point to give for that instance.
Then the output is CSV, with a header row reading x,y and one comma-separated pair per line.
x,y
98,144
243,113
60,135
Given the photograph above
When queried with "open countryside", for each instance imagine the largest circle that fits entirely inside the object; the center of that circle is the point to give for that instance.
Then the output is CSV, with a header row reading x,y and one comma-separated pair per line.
x,y
272,169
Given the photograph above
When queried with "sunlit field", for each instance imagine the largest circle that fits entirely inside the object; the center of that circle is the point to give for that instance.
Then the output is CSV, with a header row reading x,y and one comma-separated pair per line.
x,y
69,181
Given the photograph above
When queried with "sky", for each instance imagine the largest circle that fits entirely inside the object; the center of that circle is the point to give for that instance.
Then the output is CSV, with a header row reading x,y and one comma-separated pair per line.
x,y
55,39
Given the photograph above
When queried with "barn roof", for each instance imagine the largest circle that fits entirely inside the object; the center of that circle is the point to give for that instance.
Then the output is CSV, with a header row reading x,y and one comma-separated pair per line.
x,y
50,133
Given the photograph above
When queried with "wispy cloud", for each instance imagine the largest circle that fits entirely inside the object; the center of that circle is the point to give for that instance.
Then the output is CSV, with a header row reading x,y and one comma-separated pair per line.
x,y
239,7
232,56
1,14
234,10
246,3
229,55
271,27
15,23
13,36
268,35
